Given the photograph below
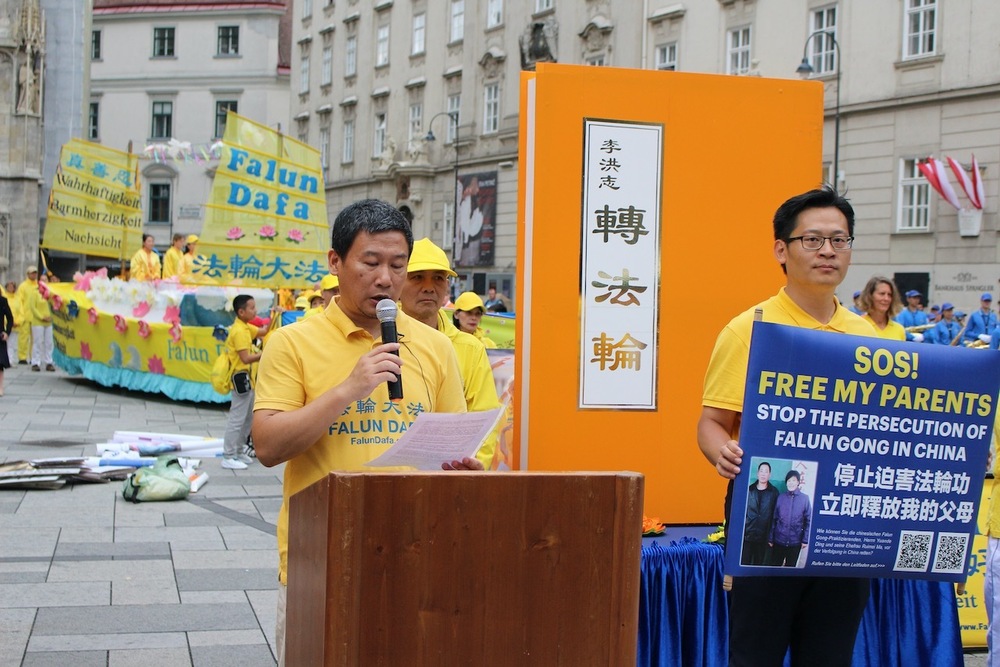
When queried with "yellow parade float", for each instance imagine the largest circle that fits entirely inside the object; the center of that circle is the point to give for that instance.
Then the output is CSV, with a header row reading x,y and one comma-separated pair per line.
x,y
265,228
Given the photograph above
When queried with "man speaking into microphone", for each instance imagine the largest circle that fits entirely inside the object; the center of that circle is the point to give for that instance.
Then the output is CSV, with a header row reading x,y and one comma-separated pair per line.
x,y
322,400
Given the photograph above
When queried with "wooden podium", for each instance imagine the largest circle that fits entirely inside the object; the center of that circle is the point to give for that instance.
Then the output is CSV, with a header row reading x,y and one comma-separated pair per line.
x,y
464,568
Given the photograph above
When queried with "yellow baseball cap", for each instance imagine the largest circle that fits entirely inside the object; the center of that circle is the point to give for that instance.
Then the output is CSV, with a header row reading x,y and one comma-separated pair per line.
x,y
329,281
32,269
193,238
428,257
469,301
301,303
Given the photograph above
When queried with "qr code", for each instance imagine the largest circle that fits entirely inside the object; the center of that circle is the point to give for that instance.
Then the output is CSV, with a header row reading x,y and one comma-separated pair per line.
x,y
914,551
949,557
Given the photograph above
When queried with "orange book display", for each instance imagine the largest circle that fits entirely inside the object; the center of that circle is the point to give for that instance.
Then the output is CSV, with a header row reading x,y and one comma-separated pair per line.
x,y
645,200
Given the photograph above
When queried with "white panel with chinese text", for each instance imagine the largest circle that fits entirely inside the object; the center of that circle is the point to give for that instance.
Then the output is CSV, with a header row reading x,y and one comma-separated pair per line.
x,y
621,264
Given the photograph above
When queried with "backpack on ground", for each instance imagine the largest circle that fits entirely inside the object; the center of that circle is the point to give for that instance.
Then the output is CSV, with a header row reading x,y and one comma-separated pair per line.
x,y
164,480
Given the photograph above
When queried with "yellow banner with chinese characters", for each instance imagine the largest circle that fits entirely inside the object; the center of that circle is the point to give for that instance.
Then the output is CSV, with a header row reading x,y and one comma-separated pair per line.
x,y
265,222
94,205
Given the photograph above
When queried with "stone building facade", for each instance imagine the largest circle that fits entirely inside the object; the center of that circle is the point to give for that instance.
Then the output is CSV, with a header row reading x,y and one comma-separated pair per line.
x,y
915,78
22,80
163,74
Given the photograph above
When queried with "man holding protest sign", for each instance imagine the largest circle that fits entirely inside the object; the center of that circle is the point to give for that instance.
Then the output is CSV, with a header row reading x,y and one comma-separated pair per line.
x,y
817,617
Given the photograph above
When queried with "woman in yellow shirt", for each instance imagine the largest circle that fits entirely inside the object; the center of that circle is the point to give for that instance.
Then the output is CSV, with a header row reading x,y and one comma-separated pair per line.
x,y
469,310
145,263
880,303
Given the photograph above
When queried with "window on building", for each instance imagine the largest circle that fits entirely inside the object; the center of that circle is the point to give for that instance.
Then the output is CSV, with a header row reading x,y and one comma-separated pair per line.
x,y
494,13
454,108
229,40
95,44
543,5
382,46
163,42
738,51
666,57
351,56
457,20
920,28
307,9
222,108
163,119
914,198
93,121
448,225
327,66
491,108
378,143
159,203
347,151
304,74
324,149
416,129
419,29
822,52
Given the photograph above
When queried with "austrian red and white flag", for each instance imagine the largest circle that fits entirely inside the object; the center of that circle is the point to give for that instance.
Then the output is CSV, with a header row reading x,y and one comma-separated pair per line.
x,y
967,185
935,173
977,183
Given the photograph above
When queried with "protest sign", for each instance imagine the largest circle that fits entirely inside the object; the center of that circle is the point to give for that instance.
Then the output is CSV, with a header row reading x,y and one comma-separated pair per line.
x,y
877,451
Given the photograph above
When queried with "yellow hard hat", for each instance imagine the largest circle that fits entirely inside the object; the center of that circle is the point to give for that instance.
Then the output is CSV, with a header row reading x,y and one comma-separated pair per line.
x,y
428,257
192,238
469,301
329,281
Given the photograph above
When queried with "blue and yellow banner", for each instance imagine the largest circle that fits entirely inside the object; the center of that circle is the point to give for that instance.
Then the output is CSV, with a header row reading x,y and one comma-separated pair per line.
x,y
265,222
862,456
94,205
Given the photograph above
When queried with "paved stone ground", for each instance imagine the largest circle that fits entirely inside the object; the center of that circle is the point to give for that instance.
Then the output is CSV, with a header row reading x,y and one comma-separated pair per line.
x,y
87,578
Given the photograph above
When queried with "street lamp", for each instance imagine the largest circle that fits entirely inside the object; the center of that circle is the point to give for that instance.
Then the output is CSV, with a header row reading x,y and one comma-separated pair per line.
x,y
453,116
805,69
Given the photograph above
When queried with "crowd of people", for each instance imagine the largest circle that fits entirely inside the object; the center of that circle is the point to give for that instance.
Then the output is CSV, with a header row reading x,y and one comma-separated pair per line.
x,y
28,338
880,304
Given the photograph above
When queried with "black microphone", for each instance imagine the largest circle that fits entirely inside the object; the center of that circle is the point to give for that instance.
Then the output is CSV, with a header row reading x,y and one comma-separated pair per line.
x,y
386,311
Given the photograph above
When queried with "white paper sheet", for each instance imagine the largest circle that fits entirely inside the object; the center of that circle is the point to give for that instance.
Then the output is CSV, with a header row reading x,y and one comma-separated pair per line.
x,y
436,437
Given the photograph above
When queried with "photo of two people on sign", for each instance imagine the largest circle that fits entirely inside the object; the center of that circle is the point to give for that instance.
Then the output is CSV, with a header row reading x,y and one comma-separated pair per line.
x,y
779,513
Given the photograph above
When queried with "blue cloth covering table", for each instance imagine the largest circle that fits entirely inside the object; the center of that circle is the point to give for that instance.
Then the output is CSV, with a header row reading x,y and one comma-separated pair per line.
x,y
683,616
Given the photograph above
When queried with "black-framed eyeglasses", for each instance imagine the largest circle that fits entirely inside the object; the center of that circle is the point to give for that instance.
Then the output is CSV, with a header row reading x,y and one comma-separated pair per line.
x,y
813,242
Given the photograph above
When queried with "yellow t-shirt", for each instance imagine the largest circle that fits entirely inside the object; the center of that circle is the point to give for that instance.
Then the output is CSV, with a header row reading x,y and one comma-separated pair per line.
x,y
173,263
144,266
23,295
484,339
187,268
38,309
727,370
15,305
304,361
312,311
993,515
241,336
477,379
893,331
